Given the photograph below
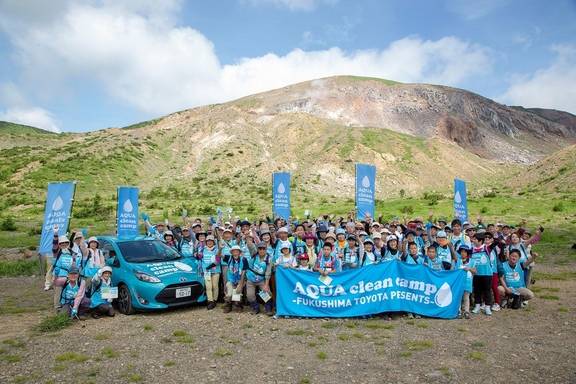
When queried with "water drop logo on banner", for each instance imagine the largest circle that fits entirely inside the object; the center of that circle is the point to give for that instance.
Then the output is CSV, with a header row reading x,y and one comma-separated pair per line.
x,y
127,214
385,287
365,190
281,194
460,202
57,212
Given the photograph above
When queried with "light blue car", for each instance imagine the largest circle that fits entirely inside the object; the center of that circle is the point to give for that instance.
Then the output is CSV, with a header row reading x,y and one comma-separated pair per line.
x,y
150,275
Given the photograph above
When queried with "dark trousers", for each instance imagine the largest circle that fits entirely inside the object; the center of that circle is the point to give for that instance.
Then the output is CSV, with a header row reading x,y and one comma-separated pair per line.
x,y
482,287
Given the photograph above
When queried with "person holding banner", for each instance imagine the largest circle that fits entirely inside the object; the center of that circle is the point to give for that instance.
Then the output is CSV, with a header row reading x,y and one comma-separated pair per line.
x,y
258,273
392,252
101,297
327,263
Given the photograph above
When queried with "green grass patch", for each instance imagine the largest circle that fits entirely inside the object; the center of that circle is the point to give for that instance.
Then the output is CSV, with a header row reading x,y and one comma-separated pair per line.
x,y
71,357
53,323
179,333
358,335
101,336
296,332
559,276
148,327
563,309
321,355
477,355
110,353
418,345
344,337
549,297
15,268
11,358
135,378
222,352
185,339
351,324
329,325
477,344
405,354
169,363
15,343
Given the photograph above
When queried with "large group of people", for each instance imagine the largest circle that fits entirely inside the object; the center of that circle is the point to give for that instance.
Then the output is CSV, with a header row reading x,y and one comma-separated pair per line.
x,y
238,259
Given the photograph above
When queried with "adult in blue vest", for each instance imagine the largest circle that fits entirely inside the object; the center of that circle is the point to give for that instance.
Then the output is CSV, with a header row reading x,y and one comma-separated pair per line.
x,y
186,243
235,275
72,296
98,304
258,272
64,260
511,273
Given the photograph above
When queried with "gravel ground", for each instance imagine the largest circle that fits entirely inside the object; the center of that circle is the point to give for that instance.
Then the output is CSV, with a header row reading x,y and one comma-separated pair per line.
x,y
195,345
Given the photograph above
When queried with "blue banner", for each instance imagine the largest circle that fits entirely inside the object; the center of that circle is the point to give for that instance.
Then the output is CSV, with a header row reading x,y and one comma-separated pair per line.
x,y
57,212
365,190
127,212
385,287
281,194
460,203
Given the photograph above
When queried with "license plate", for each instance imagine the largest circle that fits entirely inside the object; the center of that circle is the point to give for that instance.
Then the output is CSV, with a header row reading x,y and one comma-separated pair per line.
x,y
183,292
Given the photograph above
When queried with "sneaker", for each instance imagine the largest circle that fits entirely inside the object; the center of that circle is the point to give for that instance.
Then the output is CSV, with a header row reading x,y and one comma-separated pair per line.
x,y
524,303
417,316
482,306
211,305
487,310
467,315
496,307
504,303
47,287
410,316
476,309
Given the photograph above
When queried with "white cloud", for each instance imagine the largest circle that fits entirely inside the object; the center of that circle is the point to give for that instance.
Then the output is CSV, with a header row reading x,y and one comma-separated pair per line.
x,y
293,5
33,116
159,67
551,87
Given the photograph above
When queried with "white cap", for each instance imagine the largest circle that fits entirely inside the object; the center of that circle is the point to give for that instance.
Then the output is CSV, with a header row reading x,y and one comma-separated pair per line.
x,y
63,239
105,269
391,237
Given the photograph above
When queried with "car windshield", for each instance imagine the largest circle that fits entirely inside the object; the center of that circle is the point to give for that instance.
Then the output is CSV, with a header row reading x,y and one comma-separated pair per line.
x,y
145,251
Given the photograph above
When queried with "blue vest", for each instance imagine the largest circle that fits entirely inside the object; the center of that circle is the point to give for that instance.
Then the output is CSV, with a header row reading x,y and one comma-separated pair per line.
x,y
482,262
350,257
514,277
234,270
96,298
419,260
369,258
69,293
298,246
186,248
64,263
470,264
388,256
443,254
257,269
209,257
436,264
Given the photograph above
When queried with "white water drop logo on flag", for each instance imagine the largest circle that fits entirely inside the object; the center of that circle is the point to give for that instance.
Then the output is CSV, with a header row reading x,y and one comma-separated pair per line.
x,y
443,297
128,206
457,197
366,182
281,188
57,204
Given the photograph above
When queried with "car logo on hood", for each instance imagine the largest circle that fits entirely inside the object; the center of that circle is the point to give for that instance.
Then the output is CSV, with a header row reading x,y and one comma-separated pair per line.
x,y
183,279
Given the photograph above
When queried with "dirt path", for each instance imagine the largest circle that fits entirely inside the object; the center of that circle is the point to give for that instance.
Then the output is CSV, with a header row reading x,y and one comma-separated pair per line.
x,y
194,345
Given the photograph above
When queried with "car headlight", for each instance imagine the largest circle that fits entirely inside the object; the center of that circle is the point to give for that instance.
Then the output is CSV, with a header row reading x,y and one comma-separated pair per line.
x,y
146,277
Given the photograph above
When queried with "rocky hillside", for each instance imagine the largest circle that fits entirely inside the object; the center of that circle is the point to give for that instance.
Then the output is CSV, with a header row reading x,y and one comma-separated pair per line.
x,y
419,136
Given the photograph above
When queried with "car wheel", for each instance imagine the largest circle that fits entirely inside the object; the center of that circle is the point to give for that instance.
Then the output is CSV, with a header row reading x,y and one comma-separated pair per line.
x,y
125,300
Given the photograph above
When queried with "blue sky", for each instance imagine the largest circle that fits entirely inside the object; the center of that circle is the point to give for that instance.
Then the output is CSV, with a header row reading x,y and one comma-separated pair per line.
x,y
85,65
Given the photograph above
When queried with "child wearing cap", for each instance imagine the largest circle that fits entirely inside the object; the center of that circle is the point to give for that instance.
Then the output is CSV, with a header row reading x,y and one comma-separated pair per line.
x,y
392,252
303,262
235,272
286,259
369,256
210,261
445,250
464,262
98,304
